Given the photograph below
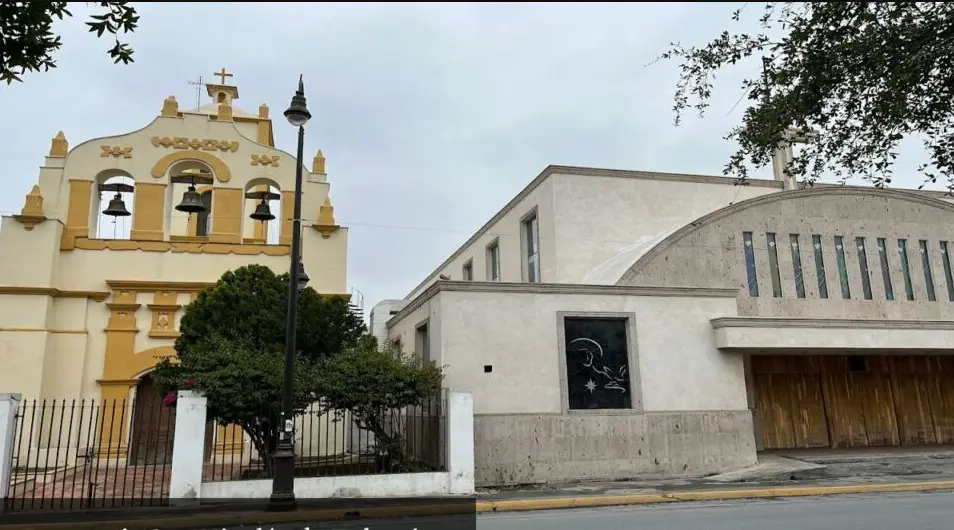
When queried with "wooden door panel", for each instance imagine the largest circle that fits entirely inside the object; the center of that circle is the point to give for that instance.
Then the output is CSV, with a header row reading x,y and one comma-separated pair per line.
x,y
772,408
845,411
874,390
808,411
912,402
942,406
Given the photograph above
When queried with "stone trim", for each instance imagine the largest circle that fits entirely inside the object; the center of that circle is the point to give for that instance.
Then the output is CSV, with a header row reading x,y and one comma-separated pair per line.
x,y
33,290
843,323
613,413
557,288
632,356
698,224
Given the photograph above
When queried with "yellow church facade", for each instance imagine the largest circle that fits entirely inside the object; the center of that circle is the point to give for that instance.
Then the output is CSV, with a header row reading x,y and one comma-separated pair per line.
x,y
87,310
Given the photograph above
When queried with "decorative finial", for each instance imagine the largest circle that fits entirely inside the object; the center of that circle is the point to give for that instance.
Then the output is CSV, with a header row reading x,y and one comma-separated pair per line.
x,y
301,84
263,111
170,107
32,213
326,219
59,147
318,164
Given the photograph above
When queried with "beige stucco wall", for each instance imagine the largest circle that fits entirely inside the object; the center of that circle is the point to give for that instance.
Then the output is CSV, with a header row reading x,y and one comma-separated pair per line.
x,y
604,220
693,419
515,331
506,229
711,254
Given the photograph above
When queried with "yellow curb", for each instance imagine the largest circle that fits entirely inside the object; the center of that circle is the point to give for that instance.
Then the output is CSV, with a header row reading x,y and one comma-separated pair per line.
x,y
246,518
553,503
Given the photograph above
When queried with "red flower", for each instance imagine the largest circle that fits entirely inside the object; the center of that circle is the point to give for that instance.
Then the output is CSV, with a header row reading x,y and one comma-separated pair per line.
x,y
190,383
169,400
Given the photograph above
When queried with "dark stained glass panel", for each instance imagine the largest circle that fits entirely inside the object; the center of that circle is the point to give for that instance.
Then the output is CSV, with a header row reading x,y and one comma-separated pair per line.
x,y
597,363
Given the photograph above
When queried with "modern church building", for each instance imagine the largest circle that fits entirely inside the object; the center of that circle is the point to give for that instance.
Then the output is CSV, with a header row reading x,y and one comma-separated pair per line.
x,y
620,324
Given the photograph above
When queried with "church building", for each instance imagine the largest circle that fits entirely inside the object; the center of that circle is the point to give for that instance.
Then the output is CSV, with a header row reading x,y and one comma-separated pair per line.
x,y
120,233
623,324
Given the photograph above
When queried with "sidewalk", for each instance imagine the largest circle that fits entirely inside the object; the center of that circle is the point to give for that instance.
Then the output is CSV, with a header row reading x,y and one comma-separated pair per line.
x,y
785,474
781,474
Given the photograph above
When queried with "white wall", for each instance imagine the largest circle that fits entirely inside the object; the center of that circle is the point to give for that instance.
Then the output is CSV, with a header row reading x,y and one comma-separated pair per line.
x,y
507,231
625,213
515,331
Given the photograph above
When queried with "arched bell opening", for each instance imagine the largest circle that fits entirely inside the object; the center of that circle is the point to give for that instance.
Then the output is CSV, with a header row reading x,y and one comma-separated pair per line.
x,y
189,199
112,206
262,212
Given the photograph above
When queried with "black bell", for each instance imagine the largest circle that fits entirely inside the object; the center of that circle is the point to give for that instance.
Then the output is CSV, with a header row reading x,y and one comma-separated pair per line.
x,y
117,208
191,202
262,212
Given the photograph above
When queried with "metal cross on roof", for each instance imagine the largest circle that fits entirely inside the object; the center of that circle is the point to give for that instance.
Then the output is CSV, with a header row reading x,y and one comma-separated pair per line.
x,y
223,74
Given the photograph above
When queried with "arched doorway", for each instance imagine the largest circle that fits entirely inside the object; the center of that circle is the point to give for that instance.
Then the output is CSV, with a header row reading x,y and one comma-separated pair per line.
x,y
154,426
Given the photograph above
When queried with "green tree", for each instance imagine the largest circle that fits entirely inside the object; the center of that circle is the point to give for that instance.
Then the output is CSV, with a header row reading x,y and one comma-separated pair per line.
x,y
371,384
862,76
231,347
242,383
249,304
27,41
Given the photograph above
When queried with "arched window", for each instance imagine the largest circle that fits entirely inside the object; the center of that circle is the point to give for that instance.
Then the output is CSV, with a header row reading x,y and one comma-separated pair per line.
x,y
113,206
184,178
257,231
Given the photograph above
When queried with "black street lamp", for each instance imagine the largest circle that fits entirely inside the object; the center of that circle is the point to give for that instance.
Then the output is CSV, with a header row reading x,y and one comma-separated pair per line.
x,y
283,459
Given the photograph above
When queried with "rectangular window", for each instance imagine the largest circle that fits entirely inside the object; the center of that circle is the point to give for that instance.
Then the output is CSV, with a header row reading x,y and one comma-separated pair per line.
x,y
773,265
597,363
820,266
531,238
905,269
797,266
842,267
422,344
948,276
750,272
886,269
468,271
863,265
493,262
928,274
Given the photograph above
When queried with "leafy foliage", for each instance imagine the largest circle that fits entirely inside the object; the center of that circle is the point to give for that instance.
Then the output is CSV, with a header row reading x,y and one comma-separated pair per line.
x,y
231,348
27,41
249,304
242,383
370,384
860,75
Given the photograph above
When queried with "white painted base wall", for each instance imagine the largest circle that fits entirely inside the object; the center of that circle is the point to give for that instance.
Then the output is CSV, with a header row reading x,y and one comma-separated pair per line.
x,y
397,485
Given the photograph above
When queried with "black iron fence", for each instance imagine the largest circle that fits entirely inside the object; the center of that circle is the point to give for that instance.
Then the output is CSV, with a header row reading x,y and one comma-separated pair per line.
x,y
336,443
83,454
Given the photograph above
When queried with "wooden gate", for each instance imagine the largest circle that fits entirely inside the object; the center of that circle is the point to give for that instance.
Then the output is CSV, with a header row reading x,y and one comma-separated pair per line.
x,y
854,401
154,427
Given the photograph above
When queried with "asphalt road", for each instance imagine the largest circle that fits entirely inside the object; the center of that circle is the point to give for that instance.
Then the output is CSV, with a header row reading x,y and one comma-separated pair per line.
x,y
886,511
923,511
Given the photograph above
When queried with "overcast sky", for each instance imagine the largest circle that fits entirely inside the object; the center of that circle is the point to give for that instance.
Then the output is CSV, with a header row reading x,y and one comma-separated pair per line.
x,y
431,116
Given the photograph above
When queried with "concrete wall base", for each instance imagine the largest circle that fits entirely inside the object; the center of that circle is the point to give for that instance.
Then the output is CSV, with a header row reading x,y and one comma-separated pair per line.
x,y
531,449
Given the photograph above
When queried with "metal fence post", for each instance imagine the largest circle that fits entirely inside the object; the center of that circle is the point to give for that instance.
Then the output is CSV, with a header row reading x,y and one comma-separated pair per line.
x,y
9,408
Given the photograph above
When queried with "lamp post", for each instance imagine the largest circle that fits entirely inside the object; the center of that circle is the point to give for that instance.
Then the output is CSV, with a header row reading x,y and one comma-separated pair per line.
x,y
283,459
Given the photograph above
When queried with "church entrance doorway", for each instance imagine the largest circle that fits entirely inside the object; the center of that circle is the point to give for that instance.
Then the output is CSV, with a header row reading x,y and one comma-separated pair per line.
x,y
845,401
154,427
